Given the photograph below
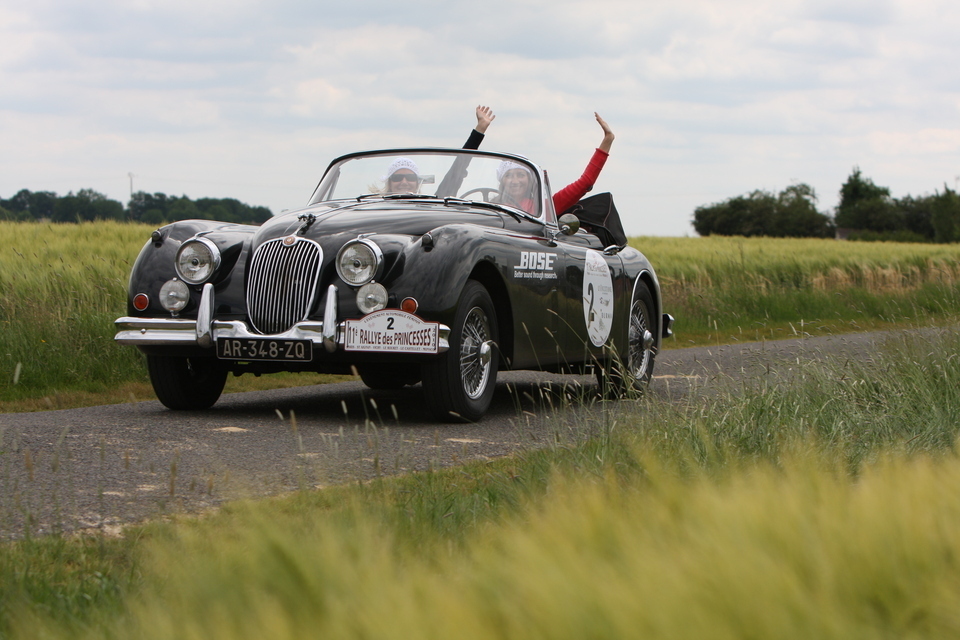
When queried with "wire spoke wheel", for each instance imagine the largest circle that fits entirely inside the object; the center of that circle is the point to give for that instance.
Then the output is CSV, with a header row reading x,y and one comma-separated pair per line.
x,y
475,351
641,350
629,372
459,384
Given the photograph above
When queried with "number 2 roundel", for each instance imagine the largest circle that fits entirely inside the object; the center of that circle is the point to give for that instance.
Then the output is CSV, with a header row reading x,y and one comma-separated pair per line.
x,y
597,298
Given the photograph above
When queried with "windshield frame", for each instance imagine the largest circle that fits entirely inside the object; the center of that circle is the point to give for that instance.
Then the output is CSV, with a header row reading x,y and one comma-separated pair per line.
x,y
330,177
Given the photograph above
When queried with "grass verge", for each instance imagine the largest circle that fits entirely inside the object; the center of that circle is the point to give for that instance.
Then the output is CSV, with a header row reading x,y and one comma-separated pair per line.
x,y
819,504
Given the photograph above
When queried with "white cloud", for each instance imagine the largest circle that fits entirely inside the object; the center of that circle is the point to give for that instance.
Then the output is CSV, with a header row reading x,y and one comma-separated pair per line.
x,y
923,143
251,100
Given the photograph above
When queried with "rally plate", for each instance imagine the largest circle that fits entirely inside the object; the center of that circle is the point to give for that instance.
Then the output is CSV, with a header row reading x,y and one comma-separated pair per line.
x,y
392,331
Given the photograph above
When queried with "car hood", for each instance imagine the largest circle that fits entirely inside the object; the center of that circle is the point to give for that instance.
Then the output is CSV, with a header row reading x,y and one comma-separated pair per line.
x,y
339,222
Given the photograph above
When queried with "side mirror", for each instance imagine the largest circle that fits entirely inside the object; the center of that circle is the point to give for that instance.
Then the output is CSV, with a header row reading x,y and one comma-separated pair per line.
x,y
569,224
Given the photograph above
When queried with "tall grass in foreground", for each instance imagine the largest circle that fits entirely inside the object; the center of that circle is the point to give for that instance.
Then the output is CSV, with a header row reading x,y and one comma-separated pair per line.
x,y
798,551
824,504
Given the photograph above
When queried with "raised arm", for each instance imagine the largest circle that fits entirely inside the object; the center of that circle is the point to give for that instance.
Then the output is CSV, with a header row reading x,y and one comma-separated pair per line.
x,y
607,134
571,194
484,117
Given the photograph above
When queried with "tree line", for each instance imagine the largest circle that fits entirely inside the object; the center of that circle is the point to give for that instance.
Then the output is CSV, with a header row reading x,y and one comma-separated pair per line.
x,y
157,208
866,212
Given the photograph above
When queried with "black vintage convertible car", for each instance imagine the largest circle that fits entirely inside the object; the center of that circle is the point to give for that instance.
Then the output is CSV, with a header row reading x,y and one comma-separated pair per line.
x,y
407,266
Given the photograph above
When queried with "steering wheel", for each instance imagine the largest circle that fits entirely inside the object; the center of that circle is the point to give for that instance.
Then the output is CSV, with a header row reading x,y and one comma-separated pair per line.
x,y
487,193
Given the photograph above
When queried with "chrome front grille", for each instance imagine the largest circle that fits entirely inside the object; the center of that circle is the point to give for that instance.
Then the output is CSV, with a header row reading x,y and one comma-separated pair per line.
x,y
282,285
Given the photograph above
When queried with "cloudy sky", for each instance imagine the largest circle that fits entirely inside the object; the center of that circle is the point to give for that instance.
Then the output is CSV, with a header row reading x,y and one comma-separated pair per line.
x,y
709,100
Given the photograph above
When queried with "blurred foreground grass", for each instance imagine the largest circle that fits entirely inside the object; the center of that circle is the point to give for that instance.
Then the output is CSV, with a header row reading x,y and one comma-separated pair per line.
x,y
825,505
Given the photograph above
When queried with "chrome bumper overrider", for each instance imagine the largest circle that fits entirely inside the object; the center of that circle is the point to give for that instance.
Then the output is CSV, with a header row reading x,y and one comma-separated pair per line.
x,y
667,325
205,330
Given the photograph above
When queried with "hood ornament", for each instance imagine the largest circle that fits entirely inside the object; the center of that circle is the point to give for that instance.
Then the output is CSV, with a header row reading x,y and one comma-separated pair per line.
x,y
307,219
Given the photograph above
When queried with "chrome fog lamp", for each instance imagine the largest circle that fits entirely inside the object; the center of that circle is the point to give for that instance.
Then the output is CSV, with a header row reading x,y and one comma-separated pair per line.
x,y
358,262
174,295
372,297
197,260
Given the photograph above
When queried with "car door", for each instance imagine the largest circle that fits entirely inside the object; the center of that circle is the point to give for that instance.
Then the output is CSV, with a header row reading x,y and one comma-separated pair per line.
x,y
531,268
588,295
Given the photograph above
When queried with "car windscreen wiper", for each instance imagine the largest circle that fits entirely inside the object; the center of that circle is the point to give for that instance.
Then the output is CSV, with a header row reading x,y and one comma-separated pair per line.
x,y
396,196
405,196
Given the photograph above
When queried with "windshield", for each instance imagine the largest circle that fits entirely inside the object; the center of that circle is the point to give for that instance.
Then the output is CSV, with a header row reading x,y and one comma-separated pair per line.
x,y
486,178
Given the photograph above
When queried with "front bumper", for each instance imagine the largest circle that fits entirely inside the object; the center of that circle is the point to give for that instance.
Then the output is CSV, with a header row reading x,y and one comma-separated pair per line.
x,y
205,330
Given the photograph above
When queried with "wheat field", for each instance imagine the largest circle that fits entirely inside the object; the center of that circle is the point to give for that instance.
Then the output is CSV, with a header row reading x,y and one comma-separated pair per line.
x,y
63,285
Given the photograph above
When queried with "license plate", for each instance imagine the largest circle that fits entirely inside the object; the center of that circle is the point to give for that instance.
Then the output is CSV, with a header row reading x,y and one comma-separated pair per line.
x,y
392,331
265,349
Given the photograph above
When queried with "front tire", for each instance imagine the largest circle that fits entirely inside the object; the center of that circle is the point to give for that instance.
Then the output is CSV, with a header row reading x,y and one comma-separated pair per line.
x,y
459,384
623,374
186,383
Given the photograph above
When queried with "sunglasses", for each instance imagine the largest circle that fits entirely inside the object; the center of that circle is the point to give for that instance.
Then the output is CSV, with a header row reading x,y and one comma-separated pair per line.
x,y
400,177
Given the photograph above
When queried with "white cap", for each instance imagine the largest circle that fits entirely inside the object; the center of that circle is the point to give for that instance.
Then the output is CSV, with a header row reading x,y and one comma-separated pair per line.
x,y
507,165
402,163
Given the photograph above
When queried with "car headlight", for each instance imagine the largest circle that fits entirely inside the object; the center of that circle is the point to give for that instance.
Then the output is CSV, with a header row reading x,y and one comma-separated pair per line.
x,y
358,262
174,296
371,297
197,260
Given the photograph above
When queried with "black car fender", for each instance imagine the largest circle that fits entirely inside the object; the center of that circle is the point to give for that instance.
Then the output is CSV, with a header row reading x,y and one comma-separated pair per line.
x,y
156,263
435,267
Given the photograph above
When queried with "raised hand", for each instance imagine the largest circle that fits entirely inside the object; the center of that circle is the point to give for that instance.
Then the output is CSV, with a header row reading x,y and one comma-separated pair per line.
x,y
607,133
484,118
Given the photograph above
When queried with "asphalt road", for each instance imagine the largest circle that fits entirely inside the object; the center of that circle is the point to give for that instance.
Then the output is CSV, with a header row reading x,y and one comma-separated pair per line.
x,y
108,465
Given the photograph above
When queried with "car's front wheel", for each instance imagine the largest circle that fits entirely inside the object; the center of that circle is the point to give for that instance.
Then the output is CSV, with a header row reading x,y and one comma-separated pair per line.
x,y
186,383
631,371
459,384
